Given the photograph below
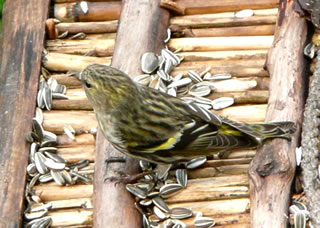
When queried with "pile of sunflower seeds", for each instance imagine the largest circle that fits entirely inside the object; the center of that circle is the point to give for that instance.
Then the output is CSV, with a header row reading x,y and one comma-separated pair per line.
x,y
300,214
49,89
157,69
152,190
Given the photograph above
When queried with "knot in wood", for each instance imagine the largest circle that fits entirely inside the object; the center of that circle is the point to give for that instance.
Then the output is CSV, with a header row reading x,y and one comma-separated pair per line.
x,y
266,166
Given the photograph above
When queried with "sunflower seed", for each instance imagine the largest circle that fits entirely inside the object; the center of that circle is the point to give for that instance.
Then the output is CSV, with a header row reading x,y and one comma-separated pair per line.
x,y
194,76
145,202
205,71
167,54
144,165
145,186
222,102
215,77
45,178
59,96
33,149
153,194
159,202
35,215
310,50
79,165
67,177
199,90
39,115
48,149
42,222
180,83
78,36
39,160
82,178
182,177
298,155
168,36
205,106
37,128
162,86
163,75
202,100
207,83
42,206
244,13
63,35
178,224
180,213
172,91
142,194
196,162
182,91
50,136
300,220
159,213
69,131
203,222
149,62
143,79
51,164
45,72
300,205
154,83
177,77
162,171
57,177
169,190
32,170
168,66
145,221
162,62
47,97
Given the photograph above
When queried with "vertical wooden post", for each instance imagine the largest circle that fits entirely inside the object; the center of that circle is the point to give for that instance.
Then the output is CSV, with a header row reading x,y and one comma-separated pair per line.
x,y
22,45
273,168
142,28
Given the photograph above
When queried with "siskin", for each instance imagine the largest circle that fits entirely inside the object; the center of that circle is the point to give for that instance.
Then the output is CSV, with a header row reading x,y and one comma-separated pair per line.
x,y
147,124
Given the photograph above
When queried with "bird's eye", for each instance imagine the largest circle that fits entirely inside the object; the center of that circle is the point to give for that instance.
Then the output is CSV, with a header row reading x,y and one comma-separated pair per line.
x,y
88,85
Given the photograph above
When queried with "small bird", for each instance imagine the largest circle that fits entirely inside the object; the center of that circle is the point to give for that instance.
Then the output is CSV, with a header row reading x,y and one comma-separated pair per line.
x,y
148,124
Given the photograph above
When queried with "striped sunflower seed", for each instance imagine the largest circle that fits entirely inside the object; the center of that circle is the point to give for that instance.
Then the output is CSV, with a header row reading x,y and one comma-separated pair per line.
x,y
149,62
37,128
63,35
168,36
180,83
199,90
32,170
144,165
44,178
168,66
169,190
300,219
180,213
145,221
78,36
310,50
161,215
153,194
159,202
143,79
67,177
42,206
69,131
172,91
153,218
203,222
35,215
208,76
195,162
177,77
48,149
205,106
39,160
33,149
163,75
222,102
167,54
83,178
39,115
47,97
57,177
194,76
40,101
59,96
138,192
182,177
145,202
300,205
51,164
154,82
43,222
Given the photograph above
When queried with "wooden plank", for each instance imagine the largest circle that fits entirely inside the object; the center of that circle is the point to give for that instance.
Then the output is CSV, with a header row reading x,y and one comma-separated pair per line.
x,y
272,170
148,22
22,45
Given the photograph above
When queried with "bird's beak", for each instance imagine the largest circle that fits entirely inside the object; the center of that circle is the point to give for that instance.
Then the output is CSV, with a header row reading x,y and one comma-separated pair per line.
x,y
76,75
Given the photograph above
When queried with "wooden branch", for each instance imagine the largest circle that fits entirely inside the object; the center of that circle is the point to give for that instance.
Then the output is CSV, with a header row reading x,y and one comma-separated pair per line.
x,y
221,43
217,6
81,47
21,48
272,170
88,27
114,206
244,113
258,30
71,218
77,153
94,11
65,62
246,97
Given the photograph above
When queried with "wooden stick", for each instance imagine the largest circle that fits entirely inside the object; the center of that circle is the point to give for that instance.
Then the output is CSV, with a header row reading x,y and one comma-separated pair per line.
x,y
77,153
48,192
66,80
67,204
244,113
82,139
65,62
88,11
81,47
214,6
63,218
221,43
217,207
54,121
77,101
21,48
142,28
259,30
256,62
227,162
246,97
272,170
88,27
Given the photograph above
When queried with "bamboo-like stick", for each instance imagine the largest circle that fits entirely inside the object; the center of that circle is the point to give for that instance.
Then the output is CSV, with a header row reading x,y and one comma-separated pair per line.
x,y
63,218
214,20
66,80
77,101
221,43
227,162
242,154
232,169
81,121
100,48
77,153
66,62
48,192
82,139
101,36
88,11
221,207
224,55
216,6
85,203
244,113
246,97
88,27
256,62
258,30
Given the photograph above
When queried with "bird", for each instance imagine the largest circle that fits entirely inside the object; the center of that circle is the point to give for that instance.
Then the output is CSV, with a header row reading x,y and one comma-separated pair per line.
x,y
148,124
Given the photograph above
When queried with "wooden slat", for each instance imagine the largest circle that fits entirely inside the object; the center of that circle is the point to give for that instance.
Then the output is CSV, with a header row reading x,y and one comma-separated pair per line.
x,y
22,45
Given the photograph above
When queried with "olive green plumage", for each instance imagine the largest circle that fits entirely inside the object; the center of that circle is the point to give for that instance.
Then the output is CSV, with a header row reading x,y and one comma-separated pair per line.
x,y
151,125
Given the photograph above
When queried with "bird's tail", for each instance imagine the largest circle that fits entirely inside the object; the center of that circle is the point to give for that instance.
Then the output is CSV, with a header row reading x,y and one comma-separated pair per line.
x,y
274,130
